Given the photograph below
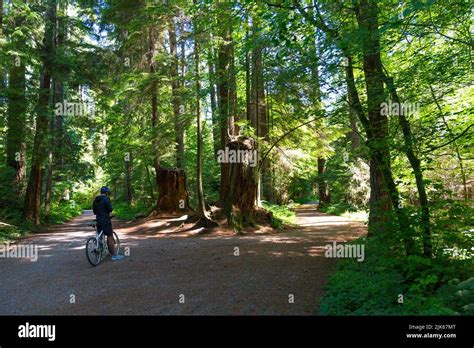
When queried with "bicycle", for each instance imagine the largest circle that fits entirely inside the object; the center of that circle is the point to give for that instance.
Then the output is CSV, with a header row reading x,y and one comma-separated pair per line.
x,y
97,248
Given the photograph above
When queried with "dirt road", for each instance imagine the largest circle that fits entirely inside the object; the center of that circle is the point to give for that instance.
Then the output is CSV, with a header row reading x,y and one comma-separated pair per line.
x,y
164,270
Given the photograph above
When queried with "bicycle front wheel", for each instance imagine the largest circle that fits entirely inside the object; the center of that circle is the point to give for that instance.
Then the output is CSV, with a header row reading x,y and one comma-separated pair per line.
x,y
93,253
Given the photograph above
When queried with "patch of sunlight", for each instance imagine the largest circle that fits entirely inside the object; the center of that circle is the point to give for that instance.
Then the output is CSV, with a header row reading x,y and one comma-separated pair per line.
x,y
360,215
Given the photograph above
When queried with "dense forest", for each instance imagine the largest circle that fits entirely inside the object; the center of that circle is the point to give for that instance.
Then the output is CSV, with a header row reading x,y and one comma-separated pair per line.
x,y
234,112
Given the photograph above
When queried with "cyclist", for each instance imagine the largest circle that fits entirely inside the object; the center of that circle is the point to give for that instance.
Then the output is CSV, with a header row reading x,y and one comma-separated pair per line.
x,y
102,209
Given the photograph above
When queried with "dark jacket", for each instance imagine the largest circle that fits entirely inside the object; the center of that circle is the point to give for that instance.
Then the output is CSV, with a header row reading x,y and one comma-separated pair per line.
x,y
102,208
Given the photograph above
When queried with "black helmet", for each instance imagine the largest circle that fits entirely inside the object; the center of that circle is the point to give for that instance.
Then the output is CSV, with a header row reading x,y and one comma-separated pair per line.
x,y
104,189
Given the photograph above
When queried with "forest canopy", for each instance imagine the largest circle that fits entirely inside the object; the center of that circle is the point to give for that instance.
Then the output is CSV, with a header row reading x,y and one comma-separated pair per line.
x,y
238,110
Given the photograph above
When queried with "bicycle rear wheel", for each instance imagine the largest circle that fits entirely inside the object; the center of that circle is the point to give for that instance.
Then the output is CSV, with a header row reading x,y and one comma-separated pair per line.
x,y
116,243
93,253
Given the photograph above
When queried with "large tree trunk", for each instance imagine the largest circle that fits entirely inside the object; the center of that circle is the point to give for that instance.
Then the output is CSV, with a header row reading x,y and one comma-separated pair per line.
x,y
259,115
49,181
380,156
248,82
239,206
154,104
173,195
16,118
33,192
223,84
324,196
323,187
383,191
56,131
178,118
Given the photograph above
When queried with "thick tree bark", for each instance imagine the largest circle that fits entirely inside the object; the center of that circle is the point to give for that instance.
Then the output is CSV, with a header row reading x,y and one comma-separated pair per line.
x,y
258,115
178,118
239,206
173,195
16,116
154,104
367,18
223,86
324,196
248,96
49,186
33,192
383,191
56,131
387,179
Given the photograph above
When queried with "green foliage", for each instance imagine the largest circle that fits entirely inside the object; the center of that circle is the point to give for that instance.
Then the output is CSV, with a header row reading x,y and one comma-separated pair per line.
x,y
129,212
338,208
9,233
63,211
372,287
282,214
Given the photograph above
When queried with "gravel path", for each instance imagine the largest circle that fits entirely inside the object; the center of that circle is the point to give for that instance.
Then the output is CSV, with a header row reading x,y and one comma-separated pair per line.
x,y
164,270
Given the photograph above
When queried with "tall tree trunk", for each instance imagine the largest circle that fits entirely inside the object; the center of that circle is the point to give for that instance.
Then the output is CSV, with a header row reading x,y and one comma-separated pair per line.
x,y
259,117
201,208
128,179
223,71
1,18
178,118
154,106
417,171
248,96
150,183
171,183
383,191
49,186
367,17
324,196
33,192
16,116
56,132
213,97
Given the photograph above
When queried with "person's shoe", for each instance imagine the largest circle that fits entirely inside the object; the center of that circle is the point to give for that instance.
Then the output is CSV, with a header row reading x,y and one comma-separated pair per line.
x,y
117,257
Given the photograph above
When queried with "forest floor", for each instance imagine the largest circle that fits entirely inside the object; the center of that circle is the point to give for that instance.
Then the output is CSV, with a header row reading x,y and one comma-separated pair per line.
x,y
168,263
